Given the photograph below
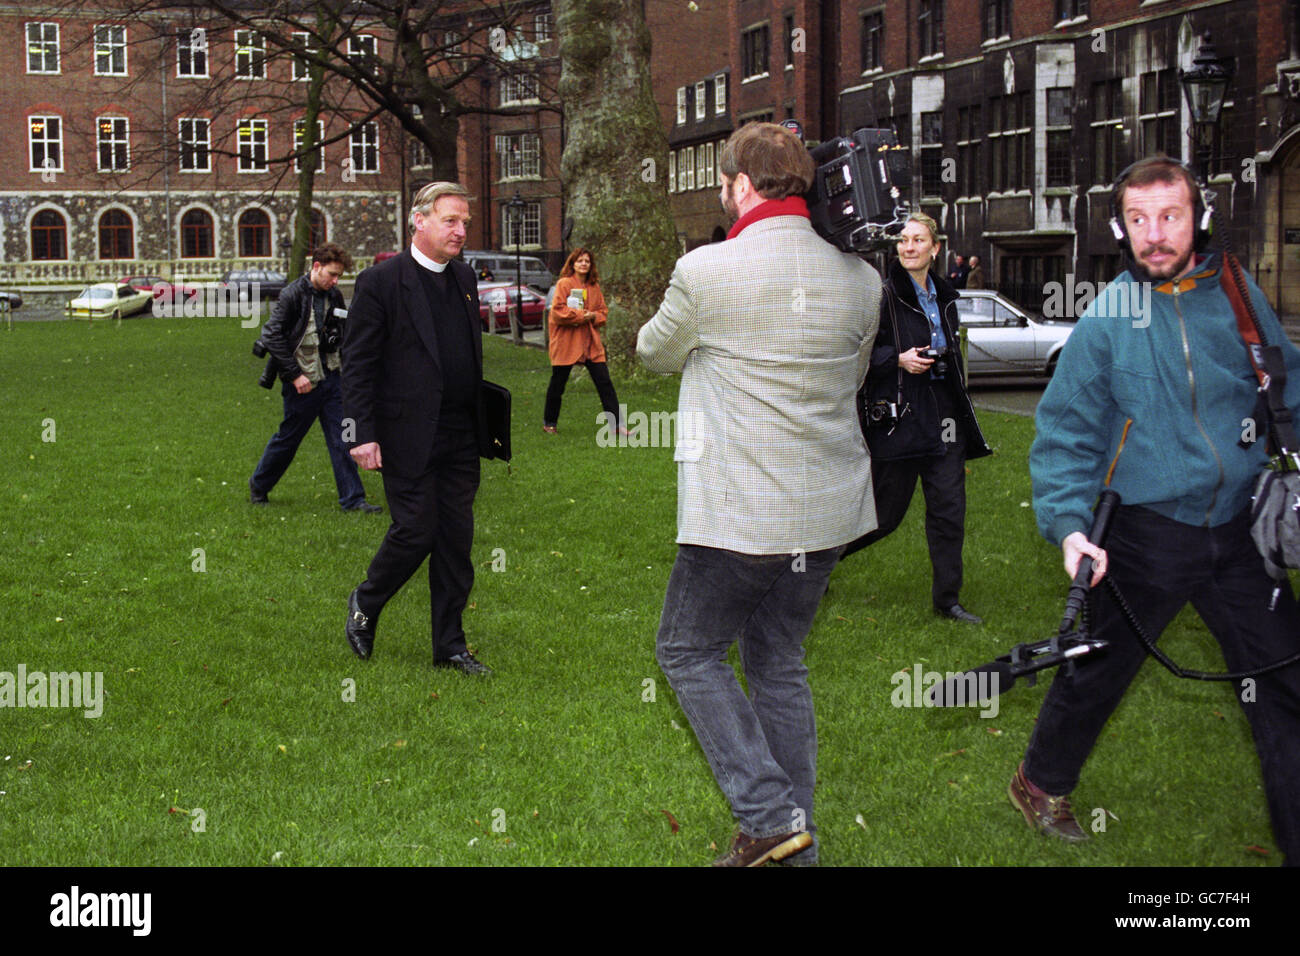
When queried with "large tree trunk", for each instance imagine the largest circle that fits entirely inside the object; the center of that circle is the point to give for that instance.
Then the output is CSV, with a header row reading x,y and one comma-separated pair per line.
x,y
615,159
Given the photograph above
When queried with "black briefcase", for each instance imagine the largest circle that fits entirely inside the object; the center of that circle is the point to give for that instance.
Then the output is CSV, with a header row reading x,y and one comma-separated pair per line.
x,y
494,412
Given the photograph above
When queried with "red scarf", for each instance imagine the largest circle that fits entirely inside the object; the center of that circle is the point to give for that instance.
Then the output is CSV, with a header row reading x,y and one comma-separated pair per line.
x,y
789,206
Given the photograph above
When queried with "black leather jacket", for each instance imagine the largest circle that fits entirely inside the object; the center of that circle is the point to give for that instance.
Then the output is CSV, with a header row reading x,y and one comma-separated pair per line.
x,y
918,430
284,330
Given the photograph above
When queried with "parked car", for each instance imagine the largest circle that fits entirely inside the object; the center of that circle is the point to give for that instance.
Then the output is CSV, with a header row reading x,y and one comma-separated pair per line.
x,y
381,256
502,267
495,298
256,284
1004,339
160,288
108,300
10,301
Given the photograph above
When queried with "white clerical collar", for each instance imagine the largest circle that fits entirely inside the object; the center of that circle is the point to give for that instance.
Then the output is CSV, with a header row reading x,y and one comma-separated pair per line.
x,y
425,261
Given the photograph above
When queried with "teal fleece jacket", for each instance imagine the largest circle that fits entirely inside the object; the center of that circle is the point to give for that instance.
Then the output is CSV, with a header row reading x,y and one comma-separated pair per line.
x,y
1169,356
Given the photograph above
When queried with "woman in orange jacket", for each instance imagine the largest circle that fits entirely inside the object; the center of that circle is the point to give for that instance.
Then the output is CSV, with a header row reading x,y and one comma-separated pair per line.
x,y
577,311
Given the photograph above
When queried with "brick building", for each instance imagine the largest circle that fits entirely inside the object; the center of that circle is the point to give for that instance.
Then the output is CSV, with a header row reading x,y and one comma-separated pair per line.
x,y
151,146
1018,114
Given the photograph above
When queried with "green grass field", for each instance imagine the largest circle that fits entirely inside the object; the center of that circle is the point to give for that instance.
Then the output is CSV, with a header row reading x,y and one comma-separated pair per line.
x,y
238,728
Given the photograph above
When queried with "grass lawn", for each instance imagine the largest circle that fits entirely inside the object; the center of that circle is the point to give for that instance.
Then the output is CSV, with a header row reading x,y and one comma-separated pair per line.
x,y
238,728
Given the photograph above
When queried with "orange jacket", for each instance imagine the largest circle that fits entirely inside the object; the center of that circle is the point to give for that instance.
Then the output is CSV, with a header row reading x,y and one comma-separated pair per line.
x,y
574,339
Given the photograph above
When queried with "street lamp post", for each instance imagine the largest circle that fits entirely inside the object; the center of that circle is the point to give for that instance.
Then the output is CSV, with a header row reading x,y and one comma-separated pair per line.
x,y
516,206
1204,85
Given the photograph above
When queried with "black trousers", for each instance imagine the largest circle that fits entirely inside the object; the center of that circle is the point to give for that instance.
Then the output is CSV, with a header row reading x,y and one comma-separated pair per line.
x,y
599,372
943,482
433,517
1160,565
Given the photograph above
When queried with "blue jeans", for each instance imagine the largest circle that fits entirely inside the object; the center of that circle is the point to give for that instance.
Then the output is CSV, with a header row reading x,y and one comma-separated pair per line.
x,y
323,403
762,748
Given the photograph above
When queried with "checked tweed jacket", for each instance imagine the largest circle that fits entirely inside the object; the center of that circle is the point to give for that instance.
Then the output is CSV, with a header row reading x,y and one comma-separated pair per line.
x,y
772,331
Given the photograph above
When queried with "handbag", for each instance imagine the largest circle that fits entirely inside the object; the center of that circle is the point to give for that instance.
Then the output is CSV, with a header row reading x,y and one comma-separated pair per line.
x,y
1275,505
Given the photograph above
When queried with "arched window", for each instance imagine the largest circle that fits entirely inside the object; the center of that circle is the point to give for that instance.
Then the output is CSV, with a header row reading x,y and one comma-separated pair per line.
x,y
196,235
116,235
319,232
254,234
49,235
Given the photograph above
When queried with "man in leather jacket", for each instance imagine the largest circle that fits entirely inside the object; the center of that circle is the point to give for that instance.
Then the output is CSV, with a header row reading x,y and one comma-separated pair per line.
x,y
304,335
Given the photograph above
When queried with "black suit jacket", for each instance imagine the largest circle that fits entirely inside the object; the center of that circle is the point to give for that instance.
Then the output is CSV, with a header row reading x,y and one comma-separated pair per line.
x,y
392,382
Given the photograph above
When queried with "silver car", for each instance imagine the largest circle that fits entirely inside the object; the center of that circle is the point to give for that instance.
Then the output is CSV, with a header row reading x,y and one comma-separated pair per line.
x,y
1003,339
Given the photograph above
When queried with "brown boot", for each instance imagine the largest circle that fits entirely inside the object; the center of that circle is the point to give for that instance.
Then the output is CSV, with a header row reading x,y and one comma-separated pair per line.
x,y
1043,811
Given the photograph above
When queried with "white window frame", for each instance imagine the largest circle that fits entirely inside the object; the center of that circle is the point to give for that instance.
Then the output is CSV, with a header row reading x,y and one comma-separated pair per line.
x,y
300,127
46,140
300,72
520,155
542,23
356,44
672,170
195,142
195,42
518,89
106,45
530,221
709,169
688,166
118,135
253,46
681,105
246,131
364,137
701,104
720,94
44,44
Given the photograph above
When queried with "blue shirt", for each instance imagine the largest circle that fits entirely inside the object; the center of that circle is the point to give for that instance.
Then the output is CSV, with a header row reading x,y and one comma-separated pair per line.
x,y
928,300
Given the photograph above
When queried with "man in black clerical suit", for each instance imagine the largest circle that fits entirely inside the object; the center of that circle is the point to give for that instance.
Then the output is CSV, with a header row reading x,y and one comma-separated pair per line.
x,y
411,387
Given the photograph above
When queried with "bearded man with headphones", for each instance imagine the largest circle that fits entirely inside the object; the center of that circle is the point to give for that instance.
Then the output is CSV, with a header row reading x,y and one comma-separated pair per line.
x,y
1182,374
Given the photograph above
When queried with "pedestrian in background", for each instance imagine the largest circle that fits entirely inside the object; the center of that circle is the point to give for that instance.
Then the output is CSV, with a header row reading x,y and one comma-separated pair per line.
x,y
577,311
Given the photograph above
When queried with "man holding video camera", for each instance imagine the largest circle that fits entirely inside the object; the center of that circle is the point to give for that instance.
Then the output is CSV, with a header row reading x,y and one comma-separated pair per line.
x,y
772,331
1160,348
303,337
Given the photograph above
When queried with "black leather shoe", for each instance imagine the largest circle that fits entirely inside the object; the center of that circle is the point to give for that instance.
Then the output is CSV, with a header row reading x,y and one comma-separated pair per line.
x,y
255,496
958,613
366,508
466,663
360,632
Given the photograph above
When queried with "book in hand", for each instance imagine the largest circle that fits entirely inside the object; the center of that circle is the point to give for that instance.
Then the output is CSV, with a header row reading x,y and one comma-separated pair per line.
x,y
577,299
495,409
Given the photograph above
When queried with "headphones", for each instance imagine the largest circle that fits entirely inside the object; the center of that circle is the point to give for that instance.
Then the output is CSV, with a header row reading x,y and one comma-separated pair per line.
x,y
1203,203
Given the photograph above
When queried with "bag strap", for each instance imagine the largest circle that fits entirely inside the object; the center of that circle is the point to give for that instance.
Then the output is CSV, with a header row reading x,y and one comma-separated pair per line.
x,y
1265,359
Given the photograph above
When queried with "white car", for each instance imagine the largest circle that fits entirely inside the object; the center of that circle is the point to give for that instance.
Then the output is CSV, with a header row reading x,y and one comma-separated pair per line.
x,y
108,300
1003,339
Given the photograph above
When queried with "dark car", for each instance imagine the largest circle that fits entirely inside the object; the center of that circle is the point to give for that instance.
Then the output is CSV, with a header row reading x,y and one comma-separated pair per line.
x,y
160,287
9,301
254,284
495,298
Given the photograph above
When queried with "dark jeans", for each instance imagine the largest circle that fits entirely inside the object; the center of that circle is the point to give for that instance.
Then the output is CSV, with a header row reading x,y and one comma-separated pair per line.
x,y
943,482
599,373
762,748
433,517
324,403
1160,565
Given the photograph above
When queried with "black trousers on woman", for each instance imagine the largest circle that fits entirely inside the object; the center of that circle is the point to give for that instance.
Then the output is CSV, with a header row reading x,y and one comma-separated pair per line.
x,y
599,372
